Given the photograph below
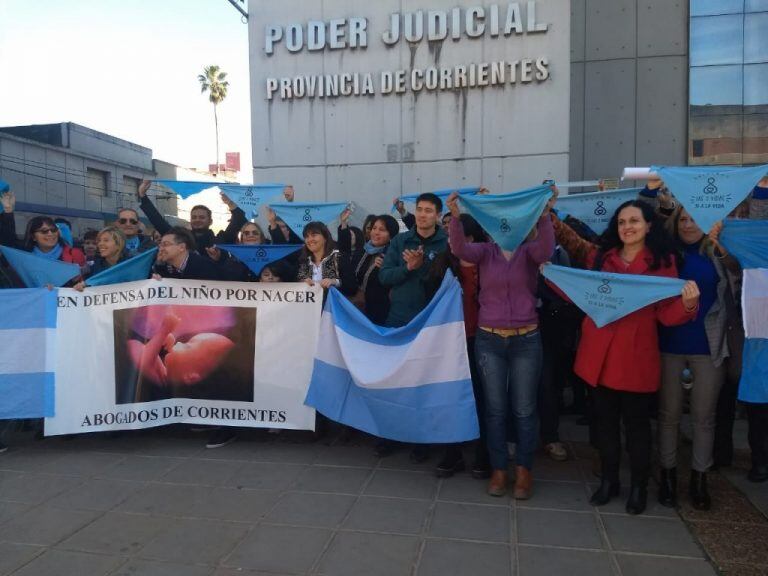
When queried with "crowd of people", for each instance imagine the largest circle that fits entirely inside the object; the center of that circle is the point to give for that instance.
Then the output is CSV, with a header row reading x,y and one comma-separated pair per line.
x,y
526,341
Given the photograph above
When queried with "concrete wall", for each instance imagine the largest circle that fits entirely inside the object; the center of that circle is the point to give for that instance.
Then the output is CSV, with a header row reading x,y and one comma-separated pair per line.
x,y
372,148
629,85
53,180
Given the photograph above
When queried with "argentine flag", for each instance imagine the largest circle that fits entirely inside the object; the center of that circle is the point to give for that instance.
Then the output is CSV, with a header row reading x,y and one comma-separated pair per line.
x,y
27,354
747,240
410,384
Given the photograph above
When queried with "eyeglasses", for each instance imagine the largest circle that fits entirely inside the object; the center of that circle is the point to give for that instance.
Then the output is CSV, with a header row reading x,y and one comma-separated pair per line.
x,y
250,233
127,220
47,231
167,244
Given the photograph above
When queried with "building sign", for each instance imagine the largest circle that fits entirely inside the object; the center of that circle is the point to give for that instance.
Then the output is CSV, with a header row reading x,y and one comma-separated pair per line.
x,y
511,22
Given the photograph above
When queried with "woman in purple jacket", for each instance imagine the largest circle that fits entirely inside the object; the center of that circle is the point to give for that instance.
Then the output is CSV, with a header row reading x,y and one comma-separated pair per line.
x,y
508,343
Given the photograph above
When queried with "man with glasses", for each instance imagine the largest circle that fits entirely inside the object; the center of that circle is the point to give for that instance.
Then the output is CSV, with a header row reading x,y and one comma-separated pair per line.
x,y
200,219
177,258
128,223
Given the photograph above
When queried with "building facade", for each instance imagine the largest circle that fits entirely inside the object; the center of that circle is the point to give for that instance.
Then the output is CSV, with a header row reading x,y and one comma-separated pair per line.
x,y
648,82
70,171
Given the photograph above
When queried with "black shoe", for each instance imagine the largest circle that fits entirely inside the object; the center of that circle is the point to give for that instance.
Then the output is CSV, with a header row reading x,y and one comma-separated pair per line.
x,y
758,474
603,495
481,469
668,487
419,453
221,437
583,421
638,498
452,462
698,491
3,448
383,448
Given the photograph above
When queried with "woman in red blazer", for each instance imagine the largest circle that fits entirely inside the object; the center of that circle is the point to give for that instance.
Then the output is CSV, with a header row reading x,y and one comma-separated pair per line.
x,y
621,360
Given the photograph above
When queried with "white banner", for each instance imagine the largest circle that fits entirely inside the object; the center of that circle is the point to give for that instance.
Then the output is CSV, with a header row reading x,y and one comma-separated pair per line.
x,y
150,353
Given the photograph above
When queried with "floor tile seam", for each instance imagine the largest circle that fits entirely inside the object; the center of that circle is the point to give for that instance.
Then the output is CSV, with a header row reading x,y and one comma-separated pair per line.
x,y
119,567
542,509
247,533
659,555
70,534
177,517
603,531
568,548
213,564
644,517
514,556
470,503
426,525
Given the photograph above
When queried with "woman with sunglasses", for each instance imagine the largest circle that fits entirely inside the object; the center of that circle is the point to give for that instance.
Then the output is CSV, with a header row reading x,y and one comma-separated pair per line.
x,y
43,239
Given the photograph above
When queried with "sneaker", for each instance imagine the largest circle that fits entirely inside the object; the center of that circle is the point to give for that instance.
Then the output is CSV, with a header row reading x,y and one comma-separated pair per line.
x,y
221,437
511,450
556,451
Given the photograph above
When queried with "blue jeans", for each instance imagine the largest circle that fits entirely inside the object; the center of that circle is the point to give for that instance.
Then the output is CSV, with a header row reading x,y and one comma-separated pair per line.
x,y
510,369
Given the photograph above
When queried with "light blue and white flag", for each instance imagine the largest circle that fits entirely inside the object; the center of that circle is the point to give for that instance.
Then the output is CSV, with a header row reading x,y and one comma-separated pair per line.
x,y
753,386
186,188
297,214
710,193
37,272
27,354
508,218
409,384
747,241
131,270
443,194
259,255
250,198
594,209
605,297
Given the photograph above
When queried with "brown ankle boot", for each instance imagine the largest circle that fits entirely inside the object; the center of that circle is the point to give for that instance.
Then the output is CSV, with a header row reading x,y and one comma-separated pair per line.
x,y
523,483
498,484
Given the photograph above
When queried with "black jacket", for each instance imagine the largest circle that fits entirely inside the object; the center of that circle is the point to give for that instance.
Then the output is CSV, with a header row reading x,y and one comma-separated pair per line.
x,y
204,239
197,268
376,295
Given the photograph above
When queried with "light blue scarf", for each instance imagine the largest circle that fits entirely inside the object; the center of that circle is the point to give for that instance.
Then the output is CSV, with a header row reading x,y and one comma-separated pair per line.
x,y
508,218
136,268
596,208
710,193
186,188
605,296
296,215
257,256
370,249
250,198
53,254
747,240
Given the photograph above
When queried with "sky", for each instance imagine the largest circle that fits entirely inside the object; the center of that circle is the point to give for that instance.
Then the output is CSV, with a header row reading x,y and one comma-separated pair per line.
x,y
129,68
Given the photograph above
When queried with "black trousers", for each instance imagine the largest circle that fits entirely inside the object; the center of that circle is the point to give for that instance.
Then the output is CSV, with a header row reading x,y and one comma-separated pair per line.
x,y
757,414
726,402
634,409
559,331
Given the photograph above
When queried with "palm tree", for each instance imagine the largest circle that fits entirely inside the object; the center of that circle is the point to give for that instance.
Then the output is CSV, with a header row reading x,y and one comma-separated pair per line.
x,y
214,82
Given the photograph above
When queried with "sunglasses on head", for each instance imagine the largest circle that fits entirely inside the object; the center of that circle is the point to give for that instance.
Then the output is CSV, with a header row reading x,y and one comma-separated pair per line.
x,y
47,230
127,220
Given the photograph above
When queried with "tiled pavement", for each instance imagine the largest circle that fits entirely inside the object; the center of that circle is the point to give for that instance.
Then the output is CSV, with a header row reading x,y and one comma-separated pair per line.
x,y
158,503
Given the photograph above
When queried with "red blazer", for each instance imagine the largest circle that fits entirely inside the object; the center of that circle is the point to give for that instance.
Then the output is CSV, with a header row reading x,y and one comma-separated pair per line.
x,y
624,355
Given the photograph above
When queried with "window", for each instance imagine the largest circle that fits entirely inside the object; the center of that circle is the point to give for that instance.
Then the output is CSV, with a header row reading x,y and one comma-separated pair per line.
x,y
728,87
96,182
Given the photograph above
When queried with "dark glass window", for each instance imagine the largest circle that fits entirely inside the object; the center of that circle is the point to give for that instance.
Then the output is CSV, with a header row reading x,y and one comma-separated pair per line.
x,y
728,88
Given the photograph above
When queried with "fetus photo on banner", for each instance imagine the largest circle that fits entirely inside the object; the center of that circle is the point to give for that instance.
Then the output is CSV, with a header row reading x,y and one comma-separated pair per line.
x,y
153,352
